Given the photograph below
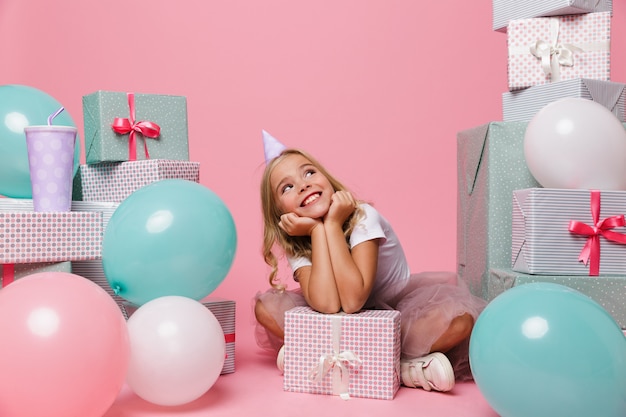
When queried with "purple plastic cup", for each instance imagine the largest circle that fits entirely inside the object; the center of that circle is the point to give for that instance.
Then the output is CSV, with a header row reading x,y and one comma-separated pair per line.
x,y
51,163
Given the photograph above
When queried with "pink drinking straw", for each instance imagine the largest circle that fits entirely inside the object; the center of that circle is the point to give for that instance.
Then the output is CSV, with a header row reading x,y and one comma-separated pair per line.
x,y
55,114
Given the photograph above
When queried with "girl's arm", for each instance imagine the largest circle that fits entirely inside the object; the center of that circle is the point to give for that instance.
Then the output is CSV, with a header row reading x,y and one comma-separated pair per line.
x,y
318,280
354,270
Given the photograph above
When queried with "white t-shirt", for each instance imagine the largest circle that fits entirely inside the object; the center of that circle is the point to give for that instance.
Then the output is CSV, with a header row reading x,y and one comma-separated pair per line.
x,y
393,271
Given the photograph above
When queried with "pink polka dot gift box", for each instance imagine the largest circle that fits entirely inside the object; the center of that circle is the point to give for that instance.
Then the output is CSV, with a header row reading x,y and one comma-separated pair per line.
x,y
348,355
550,49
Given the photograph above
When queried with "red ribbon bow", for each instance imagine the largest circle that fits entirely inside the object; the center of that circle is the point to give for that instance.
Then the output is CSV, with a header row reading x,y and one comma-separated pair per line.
x,y
591,251
147,129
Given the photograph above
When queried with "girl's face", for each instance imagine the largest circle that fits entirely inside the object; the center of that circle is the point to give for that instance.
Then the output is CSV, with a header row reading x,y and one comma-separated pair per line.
x,y
299,187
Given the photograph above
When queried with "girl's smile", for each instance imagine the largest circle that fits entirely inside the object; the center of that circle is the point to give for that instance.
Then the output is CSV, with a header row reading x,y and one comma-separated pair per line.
x,y
299,187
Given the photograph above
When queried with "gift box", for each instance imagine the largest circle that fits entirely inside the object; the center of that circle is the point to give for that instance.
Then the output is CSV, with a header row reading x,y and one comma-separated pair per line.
x,y
550,49
224,312
12,272
568,232
522,105
609,291
34,237
342,354
490,165
128,126
507,10
115,181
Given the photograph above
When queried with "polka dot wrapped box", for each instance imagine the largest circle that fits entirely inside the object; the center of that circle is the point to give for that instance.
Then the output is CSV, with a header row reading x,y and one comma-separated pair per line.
x,y
550,49
114,181
129,126
607,290
490,166
12,272
342,354
33,237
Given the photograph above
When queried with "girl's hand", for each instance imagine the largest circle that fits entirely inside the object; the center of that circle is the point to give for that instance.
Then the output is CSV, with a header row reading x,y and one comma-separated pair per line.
x,y
341,207
295,225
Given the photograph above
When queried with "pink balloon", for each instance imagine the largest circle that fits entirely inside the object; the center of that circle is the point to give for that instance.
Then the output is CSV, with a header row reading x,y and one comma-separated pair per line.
x,y
177,350
64,347
576,143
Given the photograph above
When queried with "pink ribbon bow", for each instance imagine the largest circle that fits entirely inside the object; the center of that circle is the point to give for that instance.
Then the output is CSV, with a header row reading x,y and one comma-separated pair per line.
x,y
591,251
128,125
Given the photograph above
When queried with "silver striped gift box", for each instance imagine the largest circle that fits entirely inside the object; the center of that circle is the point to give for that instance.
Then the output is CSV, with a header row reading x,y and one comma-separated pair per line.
x,y
541,240
523,105
224,312
506,10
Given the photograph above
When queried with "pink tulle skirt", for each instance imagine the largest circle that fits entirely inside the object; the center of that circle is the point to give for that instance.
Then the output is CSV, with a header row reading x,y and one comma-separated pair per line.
x,y
428,303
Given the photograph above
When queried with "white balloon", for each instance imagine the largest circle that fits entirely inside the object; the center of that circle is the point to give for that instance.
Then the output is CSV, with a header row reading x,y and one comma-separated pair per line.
x,y
177,350
576,143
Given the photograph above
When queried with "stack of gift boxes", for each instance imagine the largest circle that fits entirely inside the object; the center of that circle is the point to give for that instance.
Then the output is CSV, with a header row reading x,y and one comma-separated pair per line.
x,y
511,231
131,140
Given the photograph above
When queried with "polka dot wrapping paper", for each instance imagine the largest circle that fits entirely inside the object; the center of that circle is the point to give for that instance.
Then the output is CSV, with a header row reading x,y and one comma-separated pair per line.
x,y
343,354
549,49
490,166
114,181
103,144
31,237
606,290
12,272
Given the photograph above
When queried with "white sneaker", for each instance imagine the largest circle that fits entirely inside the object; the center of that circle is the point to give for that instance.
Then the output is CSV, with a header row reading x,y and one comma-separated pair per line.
x,y
280,359
431,372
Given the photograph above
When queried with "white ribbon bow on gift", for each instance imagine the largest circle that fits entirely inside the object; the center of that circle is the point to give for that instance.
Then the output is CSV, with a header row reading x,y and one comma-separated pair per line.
x,y
337,363
553,54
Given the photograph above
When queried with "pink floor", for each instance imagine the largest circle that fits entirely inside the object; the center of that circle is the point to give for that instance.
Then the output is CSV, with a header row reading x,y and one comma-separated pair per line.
x,y
255,389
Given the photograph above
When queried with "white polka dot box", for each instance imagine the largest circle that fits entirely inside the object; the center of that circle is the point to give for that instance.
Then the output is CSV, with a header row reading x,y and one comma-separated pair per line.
x,y
550,49
607,290
33,237
131,126
348,355
115,181
224,312
506,10
12,272
490,166
569,232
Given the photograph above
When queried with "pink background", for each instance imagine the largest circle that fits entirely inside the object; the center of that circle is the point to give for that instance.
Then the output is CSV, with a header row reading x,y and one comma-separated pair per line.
x,y
377,90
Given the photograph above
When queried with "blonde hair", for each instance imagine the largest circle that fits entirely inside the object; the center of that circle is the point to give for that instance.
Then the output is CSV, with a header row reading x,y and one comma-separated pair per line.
x,y
293,246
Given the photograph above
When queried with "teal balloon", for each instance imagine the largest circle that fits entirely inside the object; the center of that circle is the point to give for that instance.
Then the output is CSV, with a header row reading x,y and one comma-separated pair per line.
x,y
546,350
22,106
172,237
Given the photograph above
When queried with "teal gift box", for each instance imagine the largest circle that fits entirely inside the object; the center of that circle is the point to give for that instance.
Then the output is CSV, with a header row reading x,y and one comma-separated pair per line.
x,y
12,272
607,290
162,119
490,166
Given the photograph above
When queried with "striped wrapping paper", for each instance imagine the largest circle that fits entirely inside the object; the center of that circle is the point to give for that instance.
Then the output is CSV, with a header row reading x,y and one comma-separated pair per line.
x,y
542,242
506,10
115,181
224,312
522,105
342,354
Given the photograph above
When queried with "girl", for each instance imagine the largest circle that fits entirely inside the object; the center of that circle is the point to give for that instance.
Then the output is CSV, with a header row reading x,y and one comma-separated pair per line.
x,y
346,257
